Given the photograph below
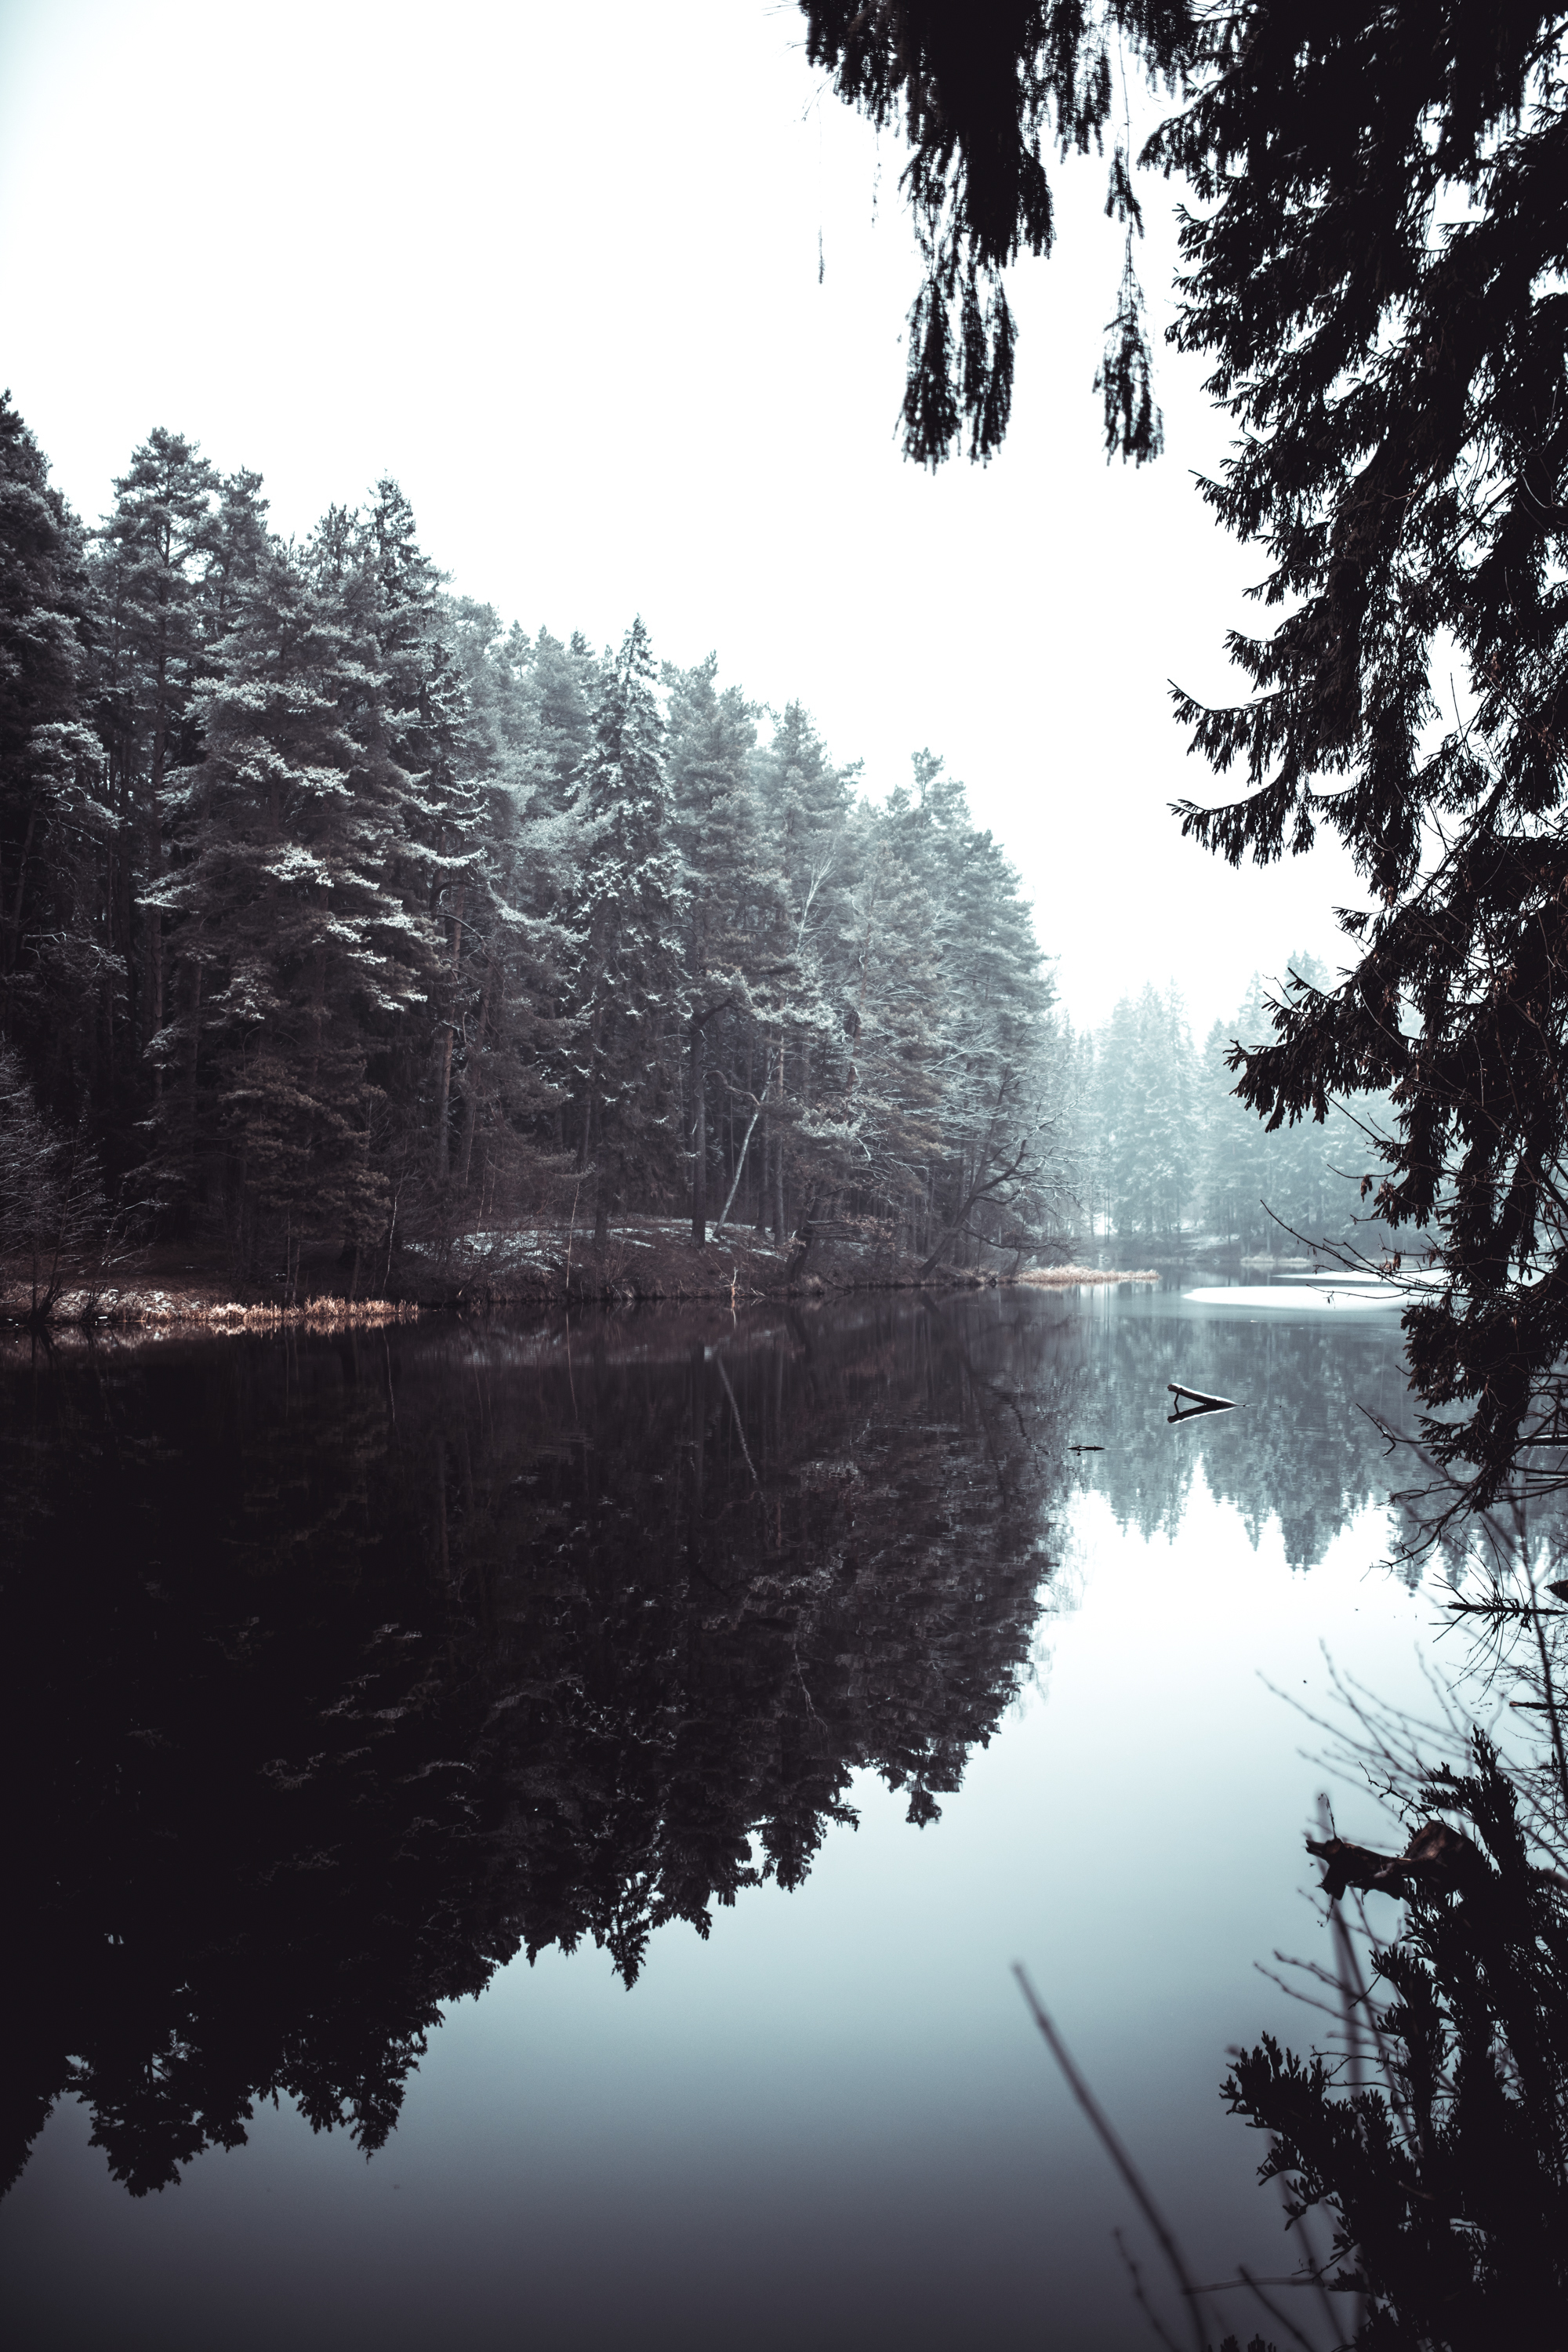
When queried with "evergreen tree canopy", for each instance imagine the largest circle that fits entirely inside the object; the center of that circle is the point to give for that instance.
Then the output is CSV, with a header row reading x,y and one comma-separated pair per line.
x,y
50,795
982,92
1374,267
1379,276
336,915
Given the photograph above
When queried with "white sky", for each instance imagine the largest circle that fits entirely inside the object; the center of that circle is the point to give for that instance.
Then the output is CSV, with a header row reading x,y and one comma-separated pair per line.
x,y
556,269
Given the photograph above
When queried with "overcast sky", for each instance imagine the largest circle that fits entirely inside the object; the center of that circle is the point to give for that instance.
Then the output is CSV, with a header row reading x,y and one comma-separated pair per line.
x,y
557,270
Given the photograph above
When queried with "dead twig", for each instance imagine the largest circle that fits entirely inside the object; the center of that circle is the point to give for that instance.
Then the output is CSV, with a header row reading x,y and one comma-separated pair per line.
x,y
1105,2132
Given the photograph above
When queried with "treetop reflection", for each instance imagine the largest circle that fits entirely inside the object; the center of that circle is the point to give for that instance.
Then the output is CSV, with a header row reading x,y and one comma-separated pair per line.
x,y
344,1669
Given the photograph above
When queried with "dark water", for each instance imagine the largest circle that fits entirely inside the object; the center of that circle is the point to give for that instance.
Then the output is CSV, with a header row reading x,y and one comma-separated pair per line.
x,y
770,1686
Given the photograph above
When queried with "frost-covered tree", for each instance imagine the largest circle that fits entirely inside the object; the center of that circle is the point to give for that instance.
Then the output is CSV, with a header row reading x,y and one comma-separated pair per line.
x,y
1297,1185
1144,1113
737,945
997,1151
509,1079
351,917
287,877
60,988
151,559
630,982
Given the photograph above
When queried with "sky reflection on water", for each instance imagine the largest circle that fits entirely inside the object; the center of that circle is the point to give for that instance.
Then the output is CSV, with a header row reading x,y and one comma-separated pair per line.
x,y
831,2120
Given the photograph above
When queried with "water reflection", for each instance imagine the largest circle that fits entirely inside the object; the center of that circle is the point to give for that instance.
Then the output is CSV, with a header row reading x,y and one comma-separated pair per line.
x,y
1302,1447
342,1670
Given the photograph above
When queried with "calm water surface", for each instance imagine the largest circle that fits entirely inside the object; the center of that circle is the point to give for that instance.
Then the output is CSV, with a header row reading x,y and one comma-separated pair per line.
x,y
606,1774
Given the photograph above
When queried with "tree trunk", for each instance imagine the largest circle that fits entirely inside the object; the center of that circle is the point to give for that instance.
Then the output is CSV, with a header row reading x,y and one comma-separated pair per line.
x,y
14,928
764,1164
444,1090
699,1133
198,968
591,1112
471,1097
800,1251
155,864
444,1110
779,1155
740,1170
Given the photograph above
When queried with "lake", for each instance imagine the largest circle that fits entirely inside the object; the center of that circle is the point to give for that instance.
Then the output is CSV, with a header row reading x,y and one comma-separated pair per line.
x,y
607,1773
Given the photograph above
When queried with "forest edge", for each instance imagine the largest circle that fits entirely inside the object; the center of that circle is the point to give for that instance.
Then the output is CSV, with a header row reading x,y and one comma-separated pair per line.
x,y
645,1259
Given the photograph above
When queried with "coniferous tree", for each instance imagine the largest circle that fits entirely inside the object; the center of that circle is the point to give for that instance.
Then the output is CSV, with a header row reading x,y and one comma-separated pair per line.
x,y
979,99
1239,1159
429,911
1372,271
992,1026
629,989
806,802
510,1074
288,869
1142,1095
60,991
153,556
434,825
737,948
1402,388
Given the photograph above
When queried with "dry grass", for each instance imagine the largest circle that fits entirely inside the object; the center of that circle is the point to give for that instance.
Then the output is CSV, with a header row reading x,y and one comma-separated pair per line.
x,y
145,1310
315,1315
1065,1277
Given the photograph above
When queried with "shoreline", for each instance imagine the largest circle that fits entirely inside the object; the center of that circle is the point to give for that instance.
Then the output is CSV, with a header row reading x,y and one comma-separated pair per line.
x,y
639,1267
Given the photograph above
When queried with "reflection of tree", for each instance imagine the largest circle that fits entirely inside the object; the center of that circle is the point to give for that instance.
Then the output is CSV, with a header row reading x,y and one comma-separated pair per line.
x,y
340,1671
1301,1449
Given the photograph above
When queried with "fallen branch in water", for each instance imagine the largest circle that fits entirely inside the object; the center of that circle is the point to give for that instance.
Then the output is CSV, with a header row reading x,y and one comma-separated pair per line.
x,y
1196,1396
1437,1857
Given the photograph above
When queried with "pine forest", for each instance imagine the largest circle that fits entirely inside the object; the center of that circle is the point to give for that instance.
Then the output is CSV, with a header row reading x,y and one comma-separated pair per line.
x,y
337,913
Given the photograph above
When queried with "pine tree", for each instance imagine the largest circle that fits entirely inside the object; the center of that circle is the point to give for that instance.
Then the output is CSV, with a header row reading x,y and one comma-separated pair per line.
x,y
435,823
58,988
234,545
1294,1186
153,554
1141,1087
512,1037
428,909
292,870
1372,271
979,97
629,994
737,947
805,802
991,1024
1239,1157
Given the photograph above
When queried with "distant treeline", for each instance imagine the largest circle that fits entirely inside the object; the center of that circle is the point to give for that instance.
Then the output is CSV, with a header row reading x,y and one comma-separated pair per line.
x,y
1162,1145
333,909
